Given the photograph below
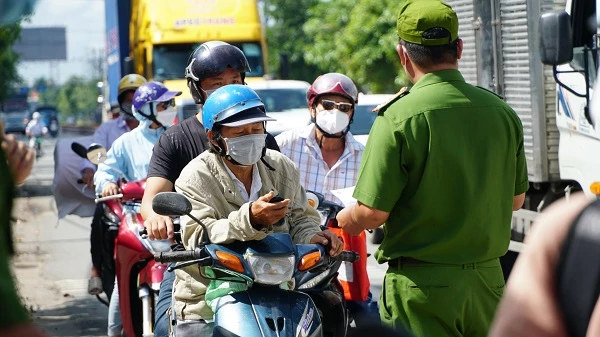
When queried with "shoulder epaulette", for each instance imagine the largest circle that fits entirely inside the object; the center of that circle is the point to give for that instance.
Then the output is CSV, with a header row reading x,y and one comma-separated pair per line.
x,y
383,106
488,90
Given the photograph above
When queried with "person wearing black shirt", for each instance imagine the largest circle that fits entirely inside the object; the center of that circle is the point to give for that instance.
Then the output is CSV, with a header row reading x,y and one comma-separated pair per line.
x,y
211,66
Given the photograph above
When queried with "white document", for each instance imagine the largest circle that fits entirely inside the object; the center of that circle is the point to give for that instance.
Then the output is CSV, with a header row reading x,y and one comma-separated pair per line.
x,y
345,195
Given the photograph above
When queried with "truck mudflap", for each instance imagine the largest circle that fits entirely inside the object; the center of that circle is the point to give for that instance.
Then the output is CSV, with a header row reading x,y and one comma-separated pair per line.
x,y
522,220
266,312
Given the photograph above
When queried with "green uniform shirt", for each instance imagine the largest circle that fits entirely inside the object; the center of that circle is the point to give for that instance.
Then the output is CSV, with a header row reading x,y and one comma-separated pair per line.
x,y
446,161
13,312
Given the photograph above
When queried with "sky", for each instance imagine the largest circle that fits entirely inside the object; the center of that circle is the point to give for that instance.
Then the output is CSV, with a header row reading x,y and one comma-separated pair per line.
x,y
84,22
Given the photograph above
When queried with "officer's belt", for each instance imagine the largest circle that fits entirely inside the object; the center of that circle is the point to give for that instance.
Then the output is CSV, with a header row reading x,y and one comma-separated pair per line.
x,y
409,261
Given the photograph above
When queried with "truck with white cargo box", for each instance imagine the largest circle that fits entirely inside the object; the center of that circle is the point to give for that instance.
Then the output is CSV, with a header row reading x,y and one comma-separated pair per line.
x,y
501,53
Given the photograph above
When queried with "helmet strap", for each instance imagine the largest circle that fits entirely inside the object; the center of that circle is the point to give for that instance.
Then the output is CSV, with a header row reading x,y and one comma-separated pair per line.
x,y
152,116
196,91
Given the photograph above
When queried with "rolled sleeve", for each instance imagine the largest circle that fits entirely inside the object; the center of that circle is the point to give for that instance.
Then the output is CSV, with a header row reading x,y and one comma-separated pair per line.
x,y
522,178
381,178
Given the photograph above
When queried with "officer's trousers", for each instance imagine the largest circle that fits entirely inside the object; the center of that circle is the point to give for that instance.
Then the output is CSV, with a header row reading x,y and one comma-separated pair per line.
x,y
441,300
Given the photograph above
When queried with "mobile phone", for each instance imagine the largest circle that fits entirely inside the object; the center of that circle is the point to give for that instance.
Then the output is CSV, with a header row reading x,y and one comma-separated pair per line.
x,y
275,199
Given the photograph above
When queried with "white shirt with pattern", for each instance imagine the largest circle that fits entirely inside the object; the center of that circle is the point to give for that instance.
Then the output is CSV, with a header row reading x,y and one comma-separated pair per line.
x,y
302,147
254,188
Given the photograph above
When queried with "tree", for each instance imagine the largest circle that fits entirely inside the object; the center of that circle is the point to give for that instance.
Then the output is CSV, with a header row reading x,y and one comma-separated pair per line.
x,y
8,58
285,35
48,91
357,39
77,97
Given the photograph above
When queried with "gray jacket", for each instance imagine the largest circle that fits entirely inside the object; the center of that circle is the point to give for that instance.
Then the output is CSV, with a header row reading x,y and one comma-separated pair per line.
x,y
217,202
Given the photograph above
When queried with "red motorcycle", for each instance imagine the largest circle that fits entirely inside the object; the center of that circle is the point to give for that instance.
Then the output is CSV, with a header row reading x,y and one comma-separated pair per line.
x,y
138,275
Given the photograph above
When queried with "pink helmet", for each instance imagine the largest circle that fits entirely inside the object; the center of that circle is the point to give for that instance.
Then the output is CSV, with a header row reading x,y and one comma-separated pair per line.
x,y
334,84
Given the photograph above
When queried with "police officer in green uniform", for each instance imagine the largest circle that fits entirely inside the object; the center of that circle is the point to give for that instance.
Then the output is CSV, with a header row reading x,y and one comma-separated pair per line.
x,y
443,168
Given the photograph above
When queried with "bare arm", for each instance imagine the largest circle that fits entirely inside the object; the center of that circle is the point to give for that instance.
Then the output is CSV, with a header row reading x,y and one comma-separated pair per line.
x,y
359,217
158,226
518,201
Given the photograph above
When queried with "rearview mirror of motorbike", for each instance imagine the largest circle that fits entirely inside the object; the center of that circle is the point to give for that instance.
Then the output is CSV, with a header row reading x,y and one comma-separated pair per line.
x,y
96,154
79,149
314,199
175,204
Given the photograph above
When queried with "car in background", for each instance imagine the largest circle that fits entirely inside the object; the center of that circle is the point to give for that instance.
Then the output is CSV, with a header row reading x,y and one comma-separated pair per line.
x,y
49,115
360,128
14,122
186,108
364,115
285,100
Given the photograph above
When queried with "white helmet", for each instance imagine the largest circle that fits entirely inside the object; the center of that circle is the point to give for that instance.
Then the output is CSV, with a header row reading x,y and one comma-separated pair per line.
x,y
35,116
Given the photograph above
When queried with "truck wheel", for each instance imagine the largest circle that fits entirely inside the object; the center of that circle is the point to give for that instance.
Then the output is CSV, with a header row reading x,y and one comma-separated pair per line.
x,y
377,236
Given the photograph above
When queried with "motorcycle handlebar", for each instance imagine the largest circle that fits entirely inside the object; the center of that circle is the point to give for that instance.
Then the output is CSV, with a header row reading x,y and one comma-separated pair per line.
x,y
347,256
110,197
178,256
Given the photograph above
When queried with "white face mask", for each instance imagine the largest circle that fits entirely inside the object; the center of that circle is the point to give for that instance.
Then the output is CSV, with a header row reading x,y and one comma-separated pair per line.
x,y
332,121
246,150
167,117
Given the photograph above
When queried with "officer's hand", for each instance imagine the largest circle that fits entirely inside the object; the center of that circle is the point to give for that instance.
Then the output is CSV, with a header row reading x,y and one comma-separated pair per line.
x,y
20,158
327,238
263,213
159,227
88,177
110,189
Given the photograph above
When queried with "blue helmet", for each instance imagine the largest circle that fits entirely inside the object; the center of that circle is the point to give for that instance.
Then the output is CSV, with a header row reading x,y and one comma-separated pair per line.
x,y
150,92
233,105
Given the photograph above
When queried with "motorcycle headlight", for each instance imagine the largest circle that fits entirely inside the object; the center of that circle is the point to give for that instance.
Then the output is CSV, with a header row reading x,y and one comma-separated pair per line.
x,y
271,269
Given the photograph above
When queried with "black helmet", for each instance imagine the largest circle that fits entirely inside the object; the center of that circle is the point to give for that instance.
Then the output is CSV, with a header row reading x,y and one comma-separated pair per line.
x,y
211,59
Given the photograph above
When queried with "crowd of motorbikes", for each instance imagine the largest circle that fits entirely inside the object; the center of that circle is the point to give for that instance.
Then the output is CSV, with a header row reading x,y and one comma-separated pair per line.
x,y
289,290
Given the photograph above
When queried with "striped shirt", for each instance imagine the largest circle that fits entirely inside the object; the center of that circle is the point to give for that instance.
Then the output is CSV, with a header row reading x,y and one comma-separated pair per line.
x,y
301,146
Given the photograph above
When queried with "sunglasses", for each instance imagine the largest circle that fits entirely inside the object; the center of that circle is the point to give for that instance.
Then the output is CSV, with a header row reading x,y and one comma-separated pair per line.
x,y
167,104
343,107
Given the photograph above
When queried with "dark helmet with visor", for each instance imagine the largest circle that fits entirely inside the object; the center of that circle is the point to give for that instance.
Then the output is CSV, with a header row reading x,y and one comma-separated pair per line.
x,y
211,59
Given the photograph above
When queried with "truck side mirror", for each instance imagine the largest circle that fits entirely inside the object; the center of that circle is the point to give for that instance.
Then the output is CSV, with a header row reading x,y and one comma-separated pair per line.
x,y
556,39
128,65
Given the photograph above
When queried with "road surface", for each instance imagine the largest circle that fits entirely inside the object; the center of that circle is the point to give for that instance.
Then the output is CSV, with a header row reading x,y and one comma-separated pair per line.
x,y
53,261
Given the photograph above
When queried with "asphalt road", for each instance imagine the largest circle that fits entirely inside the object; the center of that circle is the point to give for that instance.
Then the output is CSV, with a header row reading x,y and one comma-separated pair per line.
x,y
53,261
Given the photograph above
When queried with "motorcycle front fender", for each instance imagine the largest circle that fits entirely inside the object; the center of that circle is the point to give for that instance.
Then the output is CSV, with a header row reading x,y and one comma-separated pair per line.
x,y
266,312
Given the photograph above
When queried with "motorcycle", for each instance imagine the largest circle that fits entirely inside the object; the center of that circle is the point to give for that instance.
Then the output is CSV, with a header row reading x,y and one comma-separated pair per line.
x,y
138,274
273,270
352,277
35,142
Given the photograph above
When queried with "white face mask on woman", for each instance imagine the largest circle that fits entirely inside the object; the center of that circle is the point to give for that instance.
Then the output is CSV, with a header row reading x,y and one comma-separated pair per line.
x,y
166,117
246,150
332,121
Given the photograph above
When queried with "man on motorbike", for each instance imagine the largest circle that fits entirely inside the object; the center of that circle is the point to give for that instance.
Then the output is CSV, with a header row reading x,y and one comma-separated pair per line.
x,y
230,188
105,135
129,157
211,66
35,129
327,154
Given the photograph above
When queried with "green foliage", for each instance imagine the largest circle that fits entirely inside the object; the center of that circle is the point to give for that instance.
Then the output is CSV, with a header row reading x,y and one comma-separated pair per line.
x,y
50,95
77,97
354,37
8,58
285,35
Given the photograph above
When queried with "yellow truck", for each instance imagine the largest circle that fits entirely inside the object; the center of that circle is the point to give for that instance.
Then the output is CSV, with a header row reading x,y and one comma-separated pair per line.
x,y
154,38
